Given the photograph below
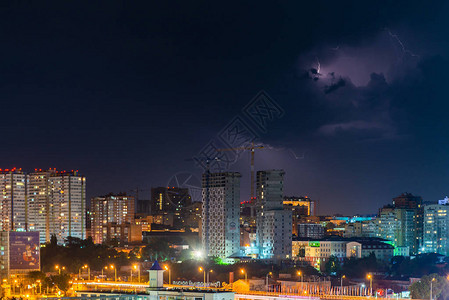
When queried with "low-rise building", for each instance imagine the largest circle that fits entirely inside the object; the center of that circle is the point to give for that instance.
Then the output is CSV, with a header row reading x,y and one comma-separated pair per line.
x,y
364,248
317,252
309,230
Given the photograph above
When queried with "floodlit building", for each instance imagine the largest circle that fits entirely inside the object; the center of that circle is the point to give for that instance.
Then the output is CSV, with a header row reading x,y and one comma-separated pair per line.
x,y
57,204
112,217
13,200
273,222
220,214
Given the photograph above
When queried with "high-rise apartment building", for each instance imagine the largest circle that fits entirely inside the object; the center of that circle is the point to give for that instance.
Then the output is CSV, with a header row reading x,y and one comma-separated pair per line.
x,y
273,222
399,226
221,211
389,225
411,202
57,204
109,216
436,229
13,200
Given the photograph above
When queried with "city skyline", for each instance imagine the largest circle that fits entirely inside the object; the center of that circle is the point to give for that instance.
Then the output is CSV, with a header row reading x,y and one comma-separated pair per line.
x,y
136,90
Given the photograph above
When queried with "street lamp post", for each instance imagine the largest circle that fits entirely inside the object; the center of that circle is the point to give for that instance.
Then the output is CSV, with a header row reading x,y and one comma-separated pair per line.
x,y
169,274
102,274
370,277
88,271
204,275
341,284
266,280
136,267
115,272
15,283
246,274
431,288
300,275
208,276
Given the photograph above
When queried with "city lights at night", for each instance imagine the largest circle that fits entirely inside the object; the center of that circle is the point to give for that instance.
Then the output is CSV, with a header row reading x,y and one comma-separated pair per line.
x,y
192,150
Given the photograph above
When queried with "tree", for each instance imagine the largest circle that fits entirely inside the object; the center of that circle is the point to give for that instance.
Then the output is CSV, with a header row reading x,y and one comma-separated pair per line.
x,y
61,281
53,240
421,289
301,252
36,275
332,266
158,249
359,267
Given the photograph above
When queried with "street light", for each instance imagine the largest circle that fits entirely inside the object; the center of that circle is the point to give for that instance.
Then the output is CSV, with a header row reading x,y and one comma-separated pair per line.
x,y
431,287
266,279
208,276
40,286
115,272
370,277
204,274
169,273
300,275
59,269
136,267
102,274
246,274
341,284
15,283
88,271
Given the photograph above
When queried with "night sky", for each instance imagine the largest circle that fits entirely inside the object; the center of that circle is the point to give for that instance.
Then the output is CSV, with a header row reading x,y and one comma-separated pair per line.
x,y
127,92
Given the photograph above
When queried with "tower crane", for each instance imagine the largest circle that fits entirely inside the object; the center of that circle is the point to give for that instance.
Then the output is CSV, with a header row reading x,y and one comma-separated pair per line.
x,y
252,148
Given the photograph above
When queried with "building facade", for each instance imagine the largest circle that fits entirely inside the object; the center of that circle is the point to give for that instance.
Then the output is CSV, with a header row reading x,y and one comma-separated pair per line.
x,y
111,218
408,202
301,207
399,225
310,230
360,249
436,229
57,204
220,214
13,200
273,222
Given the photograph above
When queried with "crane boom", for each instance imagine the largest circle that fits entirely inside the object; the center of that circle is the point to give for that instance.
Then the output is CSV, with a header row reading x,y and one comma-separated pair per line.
x,y
252,148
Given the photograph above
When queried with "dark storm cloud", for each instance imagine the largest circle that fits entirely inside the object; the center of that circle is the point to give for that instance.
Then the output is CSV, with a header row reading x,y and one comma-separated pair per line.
x,y
124,91
335,86
346,103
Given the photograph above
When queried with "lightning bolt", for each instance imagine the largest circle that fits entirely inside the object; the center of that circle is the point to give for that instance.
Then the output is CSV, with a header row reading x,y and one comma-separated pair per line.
x,y
289,150
401,44
318,65
336,48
